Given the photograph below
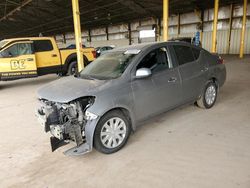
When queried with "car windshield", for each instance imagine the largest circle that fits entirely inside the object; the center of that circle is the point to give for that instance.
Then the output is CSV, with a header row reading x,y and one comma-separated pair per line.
x,y
3,42
110,65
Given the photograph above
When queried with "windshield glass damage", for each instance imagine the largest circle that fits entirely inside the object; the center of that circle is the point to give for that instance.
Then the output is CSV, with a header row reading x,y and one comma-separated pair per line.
x,y
108,66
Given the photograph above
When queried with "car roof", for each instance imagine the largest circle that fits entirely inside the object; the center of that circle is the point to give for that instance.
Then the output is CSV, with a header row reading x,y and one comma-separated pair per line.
x,y
28,38
143,46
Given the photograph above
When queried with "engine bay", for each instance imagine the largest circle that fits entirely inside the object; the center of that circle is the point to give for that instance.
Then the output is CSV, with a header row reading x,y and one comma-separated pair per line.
x,y
65,121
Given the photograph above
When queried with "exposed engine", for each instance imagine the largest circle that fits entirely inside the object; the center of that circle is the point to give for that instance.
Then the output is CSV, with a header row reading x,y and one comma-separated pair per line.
x,y
64,121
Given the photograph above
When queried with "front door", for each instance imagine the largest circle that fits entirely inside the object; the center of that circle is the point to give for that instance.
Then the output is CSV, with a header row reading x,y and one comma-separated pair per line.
x,y
18,61
159,92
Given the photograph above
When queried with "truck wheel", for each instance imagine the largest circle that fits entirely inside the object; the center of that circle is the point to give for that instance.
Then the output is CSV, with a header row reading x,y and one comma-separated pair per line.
x,y
208,98
72,69
86,61
112,132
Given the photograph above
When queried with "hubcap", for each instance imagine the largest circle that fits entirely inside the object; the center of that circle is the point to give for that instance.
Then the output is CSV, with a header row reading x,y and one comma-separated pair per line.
x,y
113,132
210,95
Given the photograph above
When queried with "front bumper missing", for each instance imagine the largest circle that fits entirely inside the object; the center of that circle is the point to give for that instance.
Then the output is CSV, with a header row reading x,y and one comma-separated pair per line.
x,y
57,142
75,151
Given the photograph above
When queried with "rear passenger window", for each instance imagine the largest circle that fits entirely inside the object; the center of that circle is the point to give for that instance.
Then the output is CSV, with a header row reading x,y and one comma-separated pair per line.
x,y
184,54
42,45
196,53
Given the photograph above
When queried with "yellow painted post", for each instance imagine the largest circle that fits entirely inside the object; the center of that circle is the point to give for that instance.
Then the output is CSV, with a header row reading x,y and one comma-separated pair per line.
x,y
230,28
165,19
78,34
243,29
214,41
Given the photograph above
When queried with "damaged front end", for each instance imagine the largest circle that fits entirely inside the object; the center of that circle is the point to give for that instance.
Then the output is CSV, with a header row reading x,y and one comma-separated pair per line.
x,y
67,122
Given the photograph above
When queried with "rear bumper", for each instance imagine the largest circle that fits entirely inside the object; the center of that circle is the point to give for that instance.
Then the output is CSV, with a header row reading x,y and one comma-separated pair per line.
x,y
222,75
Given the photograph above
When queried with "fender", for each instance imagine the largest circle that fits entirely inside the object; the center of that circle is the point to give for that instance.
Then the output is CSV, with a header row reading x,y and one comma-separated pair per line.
x,y
73,57
69,59
88,145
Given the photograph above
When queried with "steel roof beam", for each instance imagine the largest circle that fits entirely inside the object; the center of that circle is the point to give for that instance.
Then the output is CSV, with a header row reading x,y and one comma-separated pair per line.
x,y
24,3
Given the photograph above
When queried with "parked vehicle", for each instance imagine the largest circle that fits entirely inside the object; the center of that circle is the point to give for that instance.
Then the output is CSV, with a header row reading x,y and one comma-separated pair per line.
x,y
73,46
124,87
190,40
100,50
31,57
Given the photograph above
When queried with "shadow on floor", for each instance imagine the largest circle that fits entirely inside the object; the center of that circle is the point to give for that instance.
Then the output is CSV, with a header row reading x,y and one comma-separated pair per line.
x,y
27,82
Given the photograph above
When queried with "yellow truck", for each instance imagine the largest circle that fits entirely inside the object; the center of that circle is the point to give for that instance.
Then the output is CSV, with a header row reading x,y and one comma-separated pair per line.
x,y
36,56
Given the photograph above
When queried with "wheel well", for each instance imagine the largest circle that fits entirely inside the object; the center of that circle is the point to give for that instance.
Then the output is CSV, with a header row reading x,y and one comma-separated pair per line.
x,y
124,111
214,80
73,57
86,61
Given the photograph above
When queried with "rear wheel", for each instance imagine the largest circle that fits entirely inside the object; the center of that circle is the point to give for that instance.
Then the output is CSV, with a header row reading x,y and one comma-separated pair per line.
x,y
209,96
112,132
73,67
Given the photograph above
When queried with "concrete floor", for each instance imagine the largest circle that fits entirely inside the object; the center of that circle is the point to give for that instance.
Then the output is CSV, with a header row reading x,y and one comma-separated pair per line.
x,y
184,148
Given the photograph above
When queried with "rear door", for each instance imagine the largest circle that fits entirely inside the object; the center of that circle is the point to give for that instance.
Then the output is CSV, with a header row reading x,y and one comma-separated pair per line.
x,y
18,61
191,70
48,57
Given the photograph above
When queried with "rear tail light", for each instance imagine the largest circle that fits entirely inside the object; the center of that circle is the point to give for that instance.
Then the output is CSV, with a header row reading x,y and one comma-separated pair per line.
x,y
221,61
94,53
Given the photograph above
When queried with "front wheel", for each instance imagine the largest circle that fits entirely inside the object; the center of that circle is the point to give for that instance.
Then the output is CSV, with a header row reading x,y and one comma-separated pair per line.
x,y
112,132
209,96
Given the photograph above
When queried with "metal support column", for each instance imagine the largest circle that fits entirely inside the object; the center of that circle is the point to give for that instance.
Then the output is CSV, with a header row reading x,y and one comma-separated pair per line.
x,y
159,29
243,29
179,25
165,19
107,33
202,26
78,34
214,41
64,39
129,34
89,36
230,28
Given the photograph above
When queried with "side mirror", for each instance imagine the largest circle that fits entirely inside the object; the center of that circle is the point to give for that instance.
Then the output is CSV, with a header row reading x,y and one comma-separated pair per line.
x,y
143,73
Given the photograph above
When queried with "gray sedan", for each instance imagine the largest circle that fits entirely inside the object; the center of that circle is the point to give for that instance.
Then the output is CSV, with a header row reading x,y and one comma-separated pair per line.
x,y
124,87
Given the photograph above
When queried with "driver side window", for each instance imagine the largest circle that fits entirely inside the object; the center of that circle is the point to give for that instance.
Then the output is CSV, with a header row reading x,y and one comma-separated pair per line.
x,y
156,60
17,50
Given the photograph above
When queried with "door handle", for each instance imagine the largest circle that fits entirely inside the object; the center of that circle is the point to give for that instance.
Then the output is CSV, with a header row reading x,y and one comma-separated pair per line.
x,y
30,59
172,79
54,55
204,70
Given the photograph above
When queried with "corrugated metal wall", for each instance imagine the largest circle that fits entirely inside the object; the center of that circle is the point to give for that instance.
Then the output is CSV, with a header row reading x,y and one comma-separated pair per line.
x,y
118,34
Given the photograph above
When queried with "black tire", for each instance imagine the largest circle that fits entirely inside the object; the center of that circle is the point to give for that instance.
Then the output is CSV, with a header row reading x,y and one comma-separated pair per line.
x,y
86,61
98,144
203,101
73,68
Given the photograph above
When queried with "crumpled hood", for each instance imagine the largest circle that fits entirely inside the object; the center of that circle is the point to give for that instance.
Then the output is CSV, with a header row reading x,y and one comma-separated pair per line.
x,y
70,88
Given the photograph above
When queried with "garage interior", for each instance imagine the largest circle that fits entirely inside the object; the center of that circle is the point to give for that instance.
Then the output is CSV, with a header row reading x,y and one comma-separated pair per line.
x,y
186,147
